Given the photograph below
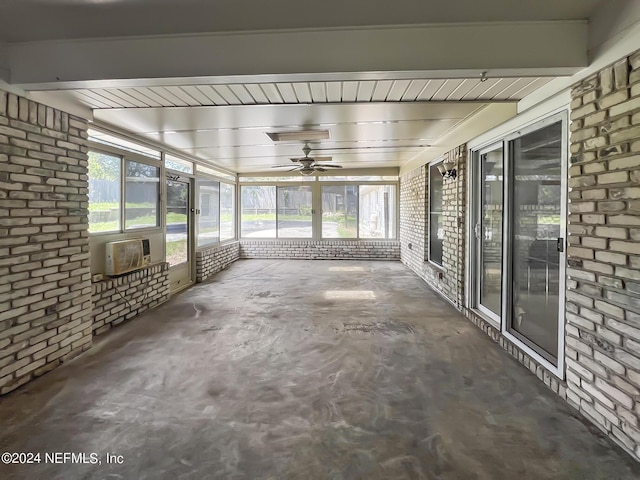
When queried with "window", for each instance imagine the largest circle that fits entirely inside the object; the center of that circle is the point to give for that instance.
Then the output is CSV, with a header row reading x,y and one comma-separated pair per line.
x,y
227,203
340,211
142,183
258,215
436,217
376,210
294,212
209,206
359,211
177,164
107,210
216,173
348,211
123,144
105,194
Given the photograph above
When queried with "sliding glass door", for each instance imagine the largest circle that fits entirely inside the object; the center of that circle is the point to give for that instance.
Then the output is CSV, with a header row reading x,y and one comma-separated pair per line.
x,y
488,231
519,237
536,238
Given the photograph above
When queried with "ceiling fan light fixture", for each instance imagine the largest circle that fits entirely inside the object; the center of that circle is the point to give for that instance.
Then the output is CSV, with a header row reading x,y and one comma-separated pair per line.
x,y
307,171
298,135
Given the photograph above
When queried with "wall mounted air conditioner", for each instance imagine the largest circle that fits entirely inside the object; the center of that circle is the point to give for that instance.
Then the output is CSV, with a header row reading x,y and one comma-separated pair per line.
x,y
127,255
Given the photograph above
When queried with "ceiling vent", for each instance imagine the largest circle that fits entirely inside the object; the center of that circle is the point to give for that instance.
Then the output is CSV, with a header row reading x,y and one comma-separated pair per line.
x,y
299,135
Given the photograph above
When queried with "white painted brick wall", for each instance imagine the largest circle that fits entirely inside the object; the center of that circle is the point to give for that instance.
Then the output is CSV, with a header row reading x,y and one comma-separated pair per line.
x,y
214,259
122,298
321,250
45,286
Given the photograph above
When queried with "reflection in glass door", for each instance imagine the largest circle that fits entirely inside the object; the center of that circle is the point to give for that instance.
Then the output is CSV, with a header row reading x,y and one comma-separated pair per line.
x,y
178,237
489,232
535,238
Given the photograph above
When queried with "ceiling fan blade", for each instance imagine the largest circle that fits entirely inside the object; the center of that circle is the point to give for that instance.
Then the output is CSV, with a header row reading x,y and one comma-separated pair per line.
x,y
319,169
294,169
327,166
279,166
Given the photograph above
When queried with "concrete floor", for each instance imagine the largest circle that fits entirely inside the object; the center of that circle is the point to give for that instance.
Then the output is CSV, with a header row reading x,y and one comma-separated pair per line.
x,y
303,370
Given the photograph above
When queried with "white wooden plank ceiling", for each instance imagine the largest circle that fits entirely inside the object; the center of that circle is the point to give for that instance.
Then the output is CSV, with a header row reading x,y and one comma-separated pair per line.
x,y
423,90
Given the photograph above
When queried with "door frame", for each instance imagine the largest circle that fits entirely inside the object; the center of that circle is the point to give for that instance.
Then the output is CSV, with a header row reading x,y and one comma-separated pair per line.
x,y
171,175
476,203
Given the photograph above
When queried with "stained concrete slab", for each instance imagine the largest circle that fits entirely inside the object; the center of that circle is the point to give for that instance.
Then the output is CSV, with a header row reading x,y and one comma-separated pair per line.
x,y
303,369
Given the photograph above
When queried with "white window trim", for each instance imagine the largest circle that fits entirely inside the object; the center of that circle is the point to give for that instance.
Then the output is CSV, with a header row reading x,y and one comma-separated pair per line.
x,y
317,207
439,266
125,156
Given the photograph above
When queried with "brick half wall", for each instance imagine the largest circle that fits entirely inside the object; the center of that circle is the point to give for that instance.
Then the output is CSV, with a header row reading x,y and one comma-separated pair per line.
x,y
321,250
210,261
118,299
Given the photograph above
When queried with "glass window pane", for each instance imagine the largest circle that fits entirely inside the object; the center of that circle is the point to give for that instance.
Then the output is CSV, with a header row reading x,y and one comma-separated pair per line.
x,y
491,171
340,211
289,179
104,192
178,164
227,211
377,211
294,212
115,141
142,182
209,206
537,182
177,222
436,225
258,215
216,173
356,178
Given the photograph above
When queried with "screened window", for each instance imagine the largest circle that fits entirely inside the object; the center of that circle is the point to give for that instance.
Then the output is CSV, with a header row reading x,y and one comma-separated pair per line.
x,y
258,215
359,211
142,183
209,206
227,202
340,211
376,212
111,209
178,164
294,212
105,196
123,144
348,211
436,225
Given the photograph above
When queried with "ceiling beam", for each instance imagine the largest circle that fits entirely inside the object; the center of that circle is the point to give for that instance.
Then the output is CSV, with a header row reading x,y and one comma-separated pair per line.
x,y
525,48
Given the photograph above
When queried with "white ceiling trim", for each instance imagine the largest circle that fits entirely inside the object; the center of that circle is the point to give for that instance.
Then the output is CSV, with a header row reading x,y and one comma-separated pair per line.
x,y
558,47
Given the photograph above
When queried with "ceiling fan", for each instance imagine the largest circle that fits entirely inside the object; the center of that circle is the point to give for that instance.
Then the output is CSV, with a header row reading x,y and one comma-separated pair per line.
x,y
308,165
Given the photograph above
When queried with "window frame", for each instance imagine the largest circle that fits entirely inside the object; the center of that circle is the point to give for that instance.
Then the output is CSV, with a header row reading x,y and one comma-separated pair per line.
x,y
396,186
431,165
316,200
234,213
124,156
159,205
198,176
